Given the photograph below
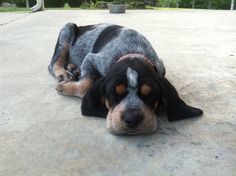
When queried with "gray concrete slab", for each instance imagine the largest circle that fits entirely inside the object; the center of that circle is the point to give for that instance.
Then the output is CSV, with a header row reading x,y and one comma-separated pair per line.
x,y
9,17
43,133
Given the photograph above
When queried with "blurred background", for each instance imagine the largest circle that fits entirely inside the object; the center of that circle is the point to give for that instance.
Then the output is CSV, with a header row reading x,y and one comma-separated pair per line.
x,y
132,4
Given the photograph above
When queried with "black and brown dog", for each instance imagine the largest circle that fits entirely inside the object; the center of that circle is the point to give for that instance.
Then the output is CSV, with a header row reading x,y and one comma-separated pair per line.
x,y
118,75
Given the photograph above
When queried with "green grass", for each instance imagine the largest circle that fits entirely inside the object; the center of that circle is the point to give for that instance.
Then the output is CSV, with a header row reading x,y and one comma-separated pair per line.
x,y
19,9
71,8
13,9
168,8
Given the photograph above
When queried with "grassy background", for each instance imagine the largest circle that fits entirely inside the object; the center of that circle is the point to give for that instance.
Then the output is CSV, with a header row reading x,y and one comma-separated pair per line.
x,y
18,9
13,9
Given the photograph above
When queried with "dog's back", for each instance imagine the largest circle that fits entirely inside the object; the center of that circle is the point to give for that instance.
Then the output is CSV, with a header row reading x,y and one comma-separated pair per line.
x,y
109,43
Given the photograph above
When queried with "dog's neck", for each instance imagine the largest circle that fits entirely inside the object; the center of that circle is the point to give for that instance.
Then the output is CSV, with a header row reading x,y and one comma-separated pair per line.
x,y
136,55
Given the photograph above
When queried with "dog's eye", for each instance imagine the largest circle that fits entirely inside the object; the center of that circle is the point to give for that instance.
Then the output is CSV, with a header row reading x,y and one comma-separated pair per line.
x,y
145,90
120,89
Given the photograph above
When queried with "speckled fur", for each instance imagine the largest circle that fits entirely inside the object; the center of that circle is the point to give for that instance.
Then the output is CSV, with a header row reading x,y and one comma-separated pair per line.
x,y
81,47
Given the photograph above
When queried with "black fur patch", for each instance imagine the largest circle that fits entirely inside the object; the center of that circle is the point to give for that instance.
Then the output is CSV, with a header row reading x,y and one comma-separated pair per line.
x,y
106,36
79,31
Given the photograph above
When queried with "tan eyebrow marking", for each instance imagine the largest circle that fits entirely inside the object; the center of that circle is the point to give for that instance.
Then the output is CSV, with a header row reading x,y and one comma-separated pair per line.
x,y
145,90
120,89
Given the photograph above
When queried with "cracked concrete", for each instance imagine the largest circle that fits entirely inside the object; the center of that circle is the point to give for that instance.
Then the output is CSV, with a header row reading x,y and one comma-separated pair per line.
x,y
10,17
43,133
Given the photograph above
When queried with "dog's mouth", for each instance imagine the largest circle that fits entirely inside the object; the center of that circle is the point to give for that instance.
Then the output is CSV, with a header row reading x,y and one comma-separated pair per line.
x,y
127,132
131,132
133,124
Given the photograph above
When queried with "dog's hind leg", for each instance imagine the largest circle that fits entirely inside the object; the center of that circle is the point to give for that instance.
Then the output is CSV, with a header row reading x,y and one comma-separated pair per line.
x,y
60,59
89,74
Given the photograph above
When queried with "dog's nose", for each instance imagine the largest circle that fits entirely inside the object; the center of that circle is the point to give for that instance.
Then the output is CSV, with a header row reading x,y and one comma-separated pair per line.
x,y
132,119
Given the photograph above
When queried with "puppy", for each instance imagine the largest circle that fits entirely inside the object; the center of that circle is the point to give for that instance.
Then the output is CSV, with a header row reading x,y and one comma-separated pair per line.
x,y
118,75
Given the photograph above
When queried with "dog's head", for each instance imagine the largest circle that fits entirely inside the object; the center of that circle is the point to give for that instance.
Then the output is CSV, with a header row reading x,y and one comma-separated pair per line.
x,y
130,96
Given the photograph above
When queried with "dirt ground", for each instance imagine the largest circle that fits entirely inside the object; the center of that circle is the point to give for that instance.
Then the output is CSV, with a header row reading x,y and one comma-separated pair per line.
x,y
43,133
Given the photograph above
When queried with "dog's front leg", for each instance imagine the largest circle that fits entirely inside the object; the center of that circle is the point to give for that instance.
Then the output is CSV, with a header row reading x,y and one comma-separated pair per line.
x,y
74,88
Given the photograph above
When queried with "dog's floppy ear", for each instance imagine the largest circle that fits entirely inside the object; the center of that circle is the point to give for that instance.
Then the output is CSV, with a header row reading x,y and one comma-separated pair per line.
x,y
175,107
93,102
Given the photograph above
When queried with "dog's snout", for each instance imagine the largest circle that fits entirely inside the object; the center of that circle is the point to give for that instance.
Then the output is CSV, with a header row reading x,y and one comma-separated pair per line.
x,y
132,118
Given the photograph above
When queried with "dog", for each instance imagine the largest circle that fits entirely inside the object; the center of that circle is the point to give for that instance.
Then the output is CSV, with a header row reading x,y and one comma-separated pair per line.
x,y
118,75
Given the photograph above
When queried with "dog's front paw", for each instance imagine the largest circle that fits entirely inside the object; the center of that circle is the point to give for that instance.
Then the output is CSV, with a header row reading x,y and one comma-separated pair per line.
x,y
66,88
63,88
60,87
66,76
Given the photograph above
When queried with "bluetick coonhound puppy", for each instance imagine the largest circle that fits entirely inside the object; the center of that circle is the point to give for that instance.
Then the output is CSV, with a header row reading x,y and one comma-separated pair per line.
x,y
118,75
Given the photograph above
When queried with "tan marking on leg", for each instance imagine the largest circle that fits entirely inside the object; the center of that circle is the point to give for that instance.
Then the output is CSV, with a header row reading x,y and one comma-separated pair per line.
x,y
78,89
59,66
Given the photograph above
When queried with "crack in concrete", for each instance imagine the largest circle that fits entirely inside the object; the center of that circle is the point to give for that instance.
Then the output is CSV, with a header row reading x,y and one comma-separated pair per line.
x,y
14,20
188,85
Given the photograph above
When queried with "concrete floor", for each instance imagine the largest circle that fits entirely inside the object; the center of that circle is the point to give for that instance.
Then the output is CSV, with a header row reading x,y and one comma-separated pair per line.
x,y
43,133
